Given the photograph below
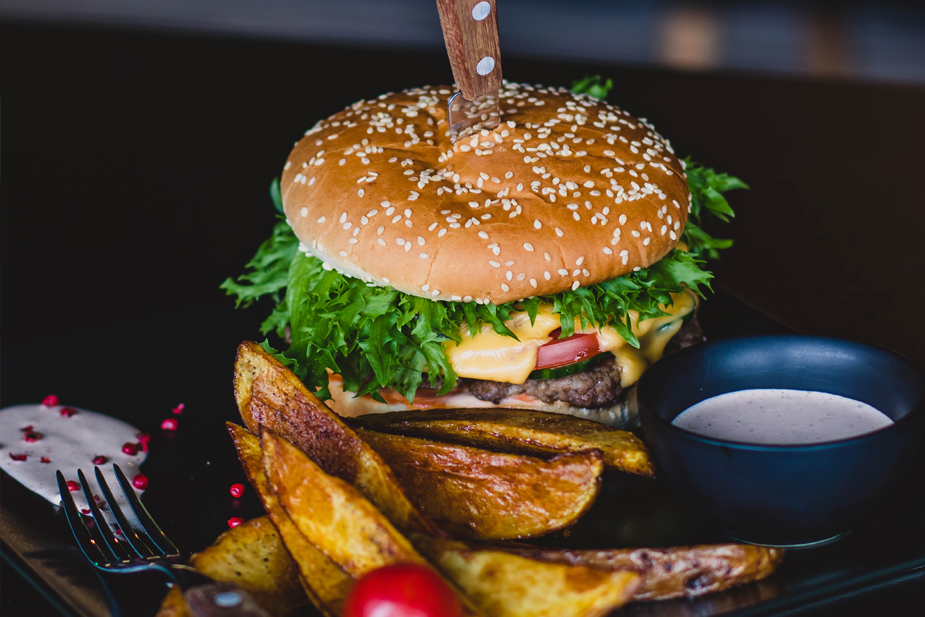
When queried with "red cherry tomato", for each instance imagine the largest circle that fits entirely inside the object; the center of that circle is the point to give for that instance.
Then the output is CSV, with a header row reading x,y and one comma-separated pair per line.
x,y
565,351
402,590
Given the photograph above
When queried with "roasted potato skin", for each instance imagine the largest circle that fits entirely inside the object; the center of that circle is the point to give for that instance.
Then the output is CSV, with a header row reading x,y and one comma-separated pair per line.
x,y
518,431
325,583
335,517
684,571
268,394
509,585
252,556
479,494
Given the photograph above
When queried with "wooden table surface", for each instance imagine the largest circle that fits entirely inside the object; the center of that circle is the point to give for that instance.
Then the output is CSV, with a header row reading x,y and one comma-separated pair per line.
x,y
135,169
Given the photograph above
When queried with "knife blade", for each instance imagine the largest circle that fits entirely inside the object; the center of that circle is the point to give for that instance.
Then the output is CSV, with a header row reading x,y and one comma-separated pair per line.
x,y
470,30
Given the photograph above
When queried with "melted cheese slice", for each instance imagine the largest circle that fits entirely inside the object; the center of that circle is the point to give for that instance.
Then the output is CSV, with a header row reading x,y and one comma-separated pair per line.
x,y
495,357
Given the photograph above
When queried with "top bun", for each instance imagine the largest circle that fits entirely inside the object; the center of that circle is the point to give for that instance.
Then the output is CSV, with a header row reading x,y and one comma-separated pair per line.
x,y
568,191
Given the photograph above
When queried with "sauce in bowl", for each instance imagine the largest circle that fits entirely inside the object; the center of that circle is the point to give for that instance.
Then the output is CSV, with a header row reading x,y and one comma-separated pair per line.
x,y
783,417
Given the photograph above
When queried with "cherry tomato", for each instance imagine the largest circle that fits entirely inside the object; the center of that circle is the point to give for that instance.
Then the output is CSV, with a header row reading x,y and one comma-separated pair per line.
x,y
565,351
402,590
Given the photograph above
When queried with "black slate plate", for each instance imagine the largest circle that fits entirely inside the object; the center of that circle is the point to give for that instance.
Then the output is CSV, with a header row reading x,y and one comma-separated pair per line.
x,y
189,360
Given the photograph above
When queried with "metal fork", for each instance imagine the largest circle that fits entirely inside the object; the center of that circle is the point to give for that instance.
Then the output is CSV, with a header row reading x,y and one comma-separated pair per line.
x,y
147,550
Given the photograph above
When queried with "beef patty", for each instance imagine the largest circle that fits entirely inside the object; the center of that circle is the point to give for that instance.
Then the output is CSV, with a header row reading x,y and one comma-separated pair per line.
x,y
598,387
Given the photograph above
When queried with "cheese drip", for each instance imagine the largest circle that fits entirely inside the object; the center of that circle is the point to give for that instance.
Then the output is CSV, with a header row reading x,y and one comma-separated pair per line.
x,y
491,356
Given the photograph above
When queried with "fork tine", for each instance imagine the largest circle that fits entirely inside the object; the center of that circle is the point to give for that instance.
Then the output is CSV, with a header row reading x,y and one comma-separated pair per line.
x,y
128,532
158,537
84,539
102,527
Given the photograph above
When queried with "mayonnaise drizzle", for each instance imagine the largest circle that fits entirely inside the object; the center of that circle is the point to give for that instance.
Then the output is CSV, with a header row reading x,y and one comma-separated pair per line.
x,y
69,443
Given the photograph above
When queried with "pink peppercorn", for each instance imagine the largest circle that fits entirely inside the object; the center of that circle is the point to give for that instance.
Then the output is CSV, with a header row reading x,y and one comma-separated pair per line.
x,y
234,521
140,482
237,490
130,448
50,401
170,424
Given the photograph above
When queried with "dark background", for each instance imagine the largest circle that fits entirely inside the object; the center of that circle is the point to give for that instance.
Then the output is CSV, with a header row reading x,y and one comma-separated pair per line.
x,y
135,169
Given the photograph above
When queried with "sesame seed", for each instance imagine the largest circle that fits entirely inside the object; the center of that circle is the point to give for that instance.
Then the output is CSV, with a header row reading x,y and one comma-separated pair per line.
x,y
559,232
533,283
608,251
505,287
343,253
546,275
575,285
494,264
509,275
579,261
528,246
562,271
423,255
343,217
483,235
380,241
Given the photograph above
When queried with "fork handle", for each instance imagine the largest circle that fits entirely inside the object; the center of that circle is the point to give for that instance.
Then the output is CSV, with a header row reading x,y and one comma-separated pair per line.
x,y
222,600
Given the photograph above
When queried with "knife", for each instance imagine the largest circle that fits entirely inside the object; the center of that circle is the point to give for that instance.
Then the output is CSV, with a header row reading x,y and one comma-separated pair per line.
x,y
470,30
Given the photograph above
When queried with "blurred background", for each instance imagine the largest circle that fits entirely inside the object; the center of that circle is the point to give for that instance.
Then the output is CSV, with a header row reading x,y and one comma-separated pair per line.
x,y
855,39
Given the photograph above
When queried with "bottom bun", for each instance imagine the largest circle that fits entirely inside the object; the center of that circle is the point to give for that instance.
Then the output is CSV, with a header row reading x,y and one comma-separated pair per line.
x,y
622,414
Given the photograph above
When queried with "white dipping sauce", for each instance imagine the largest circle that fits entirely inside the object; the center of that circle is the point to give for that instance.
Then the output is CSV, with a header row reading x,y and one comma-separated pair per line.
x,y
65,442
771,416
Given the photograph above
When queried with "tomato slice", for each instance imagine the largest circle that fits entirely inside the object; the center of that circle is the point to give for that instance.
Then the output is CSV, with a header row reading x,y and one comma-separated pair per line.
x,y
565,351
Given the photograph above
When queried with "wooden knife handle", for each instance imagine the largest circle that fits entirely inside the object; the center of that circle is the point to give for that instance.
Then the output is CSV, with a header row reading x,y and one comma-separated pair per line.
x,y
470,29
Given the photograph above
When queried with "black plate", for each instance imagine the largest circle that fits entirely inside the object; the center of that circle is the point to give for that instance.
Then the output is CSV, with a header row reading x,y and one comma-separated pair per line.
x,y
189,360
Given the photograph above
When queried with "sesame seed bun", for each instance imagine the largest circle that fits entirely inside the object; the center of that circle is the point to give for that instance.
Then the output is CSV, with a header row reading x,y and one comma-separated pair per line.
x,y
568,191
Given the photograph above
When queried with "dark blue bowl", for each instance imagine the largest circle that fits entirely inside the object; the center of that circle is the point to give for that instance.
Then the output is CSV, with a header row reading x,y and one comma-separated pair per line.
x,y
783,495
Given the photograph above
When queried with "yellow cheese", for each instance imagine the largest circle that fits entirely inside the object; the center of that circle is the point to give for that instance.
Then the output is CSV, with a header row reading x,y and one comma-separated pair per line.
x,y
492,356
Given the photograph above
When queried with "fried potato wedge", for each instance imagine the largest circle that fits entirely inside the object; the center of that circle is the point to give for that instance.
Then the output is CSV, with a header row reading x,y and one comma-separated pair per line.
x,y
325,583
518,431
268,394
479,494
509,585
252,556
336,517
674,572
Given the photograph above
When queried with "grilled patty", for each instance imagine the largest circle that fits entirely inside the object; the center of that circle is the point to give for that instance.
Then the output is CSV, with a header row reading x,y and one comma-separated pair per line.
x,y
598,387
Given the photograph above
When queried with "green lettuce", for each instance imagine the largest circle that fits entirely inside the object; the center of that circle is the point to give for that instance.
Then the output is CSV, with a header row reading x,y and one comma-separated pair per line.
x,y
378,337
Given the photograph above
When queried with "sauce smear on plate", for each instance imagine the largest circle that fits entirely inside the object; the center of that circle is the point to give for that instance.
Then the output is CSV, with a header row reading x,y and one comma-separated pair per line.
x,y
773,416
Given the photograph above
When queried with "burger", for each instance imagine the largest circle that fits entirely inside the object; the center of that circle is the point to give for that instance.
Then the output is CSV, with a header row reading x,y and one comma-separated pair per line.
x,y
544,264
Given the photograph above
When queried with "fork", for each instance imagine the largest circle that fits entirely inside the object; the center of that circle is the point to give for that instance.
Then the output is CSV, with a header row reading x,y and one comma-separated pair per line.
x,y
146,549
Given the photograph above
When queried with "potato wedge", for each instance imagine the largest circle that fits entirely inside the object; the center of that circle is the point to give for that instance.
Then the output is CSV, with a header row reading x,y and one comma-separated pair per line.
x,y
674,572
508,585
268,394
325,583
518,431
252,556
334,516
480,494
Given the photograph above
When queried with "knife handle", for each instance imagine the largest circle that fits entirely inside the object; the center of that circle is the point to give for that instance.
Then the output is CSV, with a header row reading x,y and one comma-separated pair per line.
x,y
470,29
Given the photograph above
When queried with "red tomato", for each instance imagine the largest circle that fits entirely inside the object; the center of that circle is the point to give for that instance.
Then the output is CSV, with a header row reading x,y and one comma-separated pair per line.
x,y
565,351
402,590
